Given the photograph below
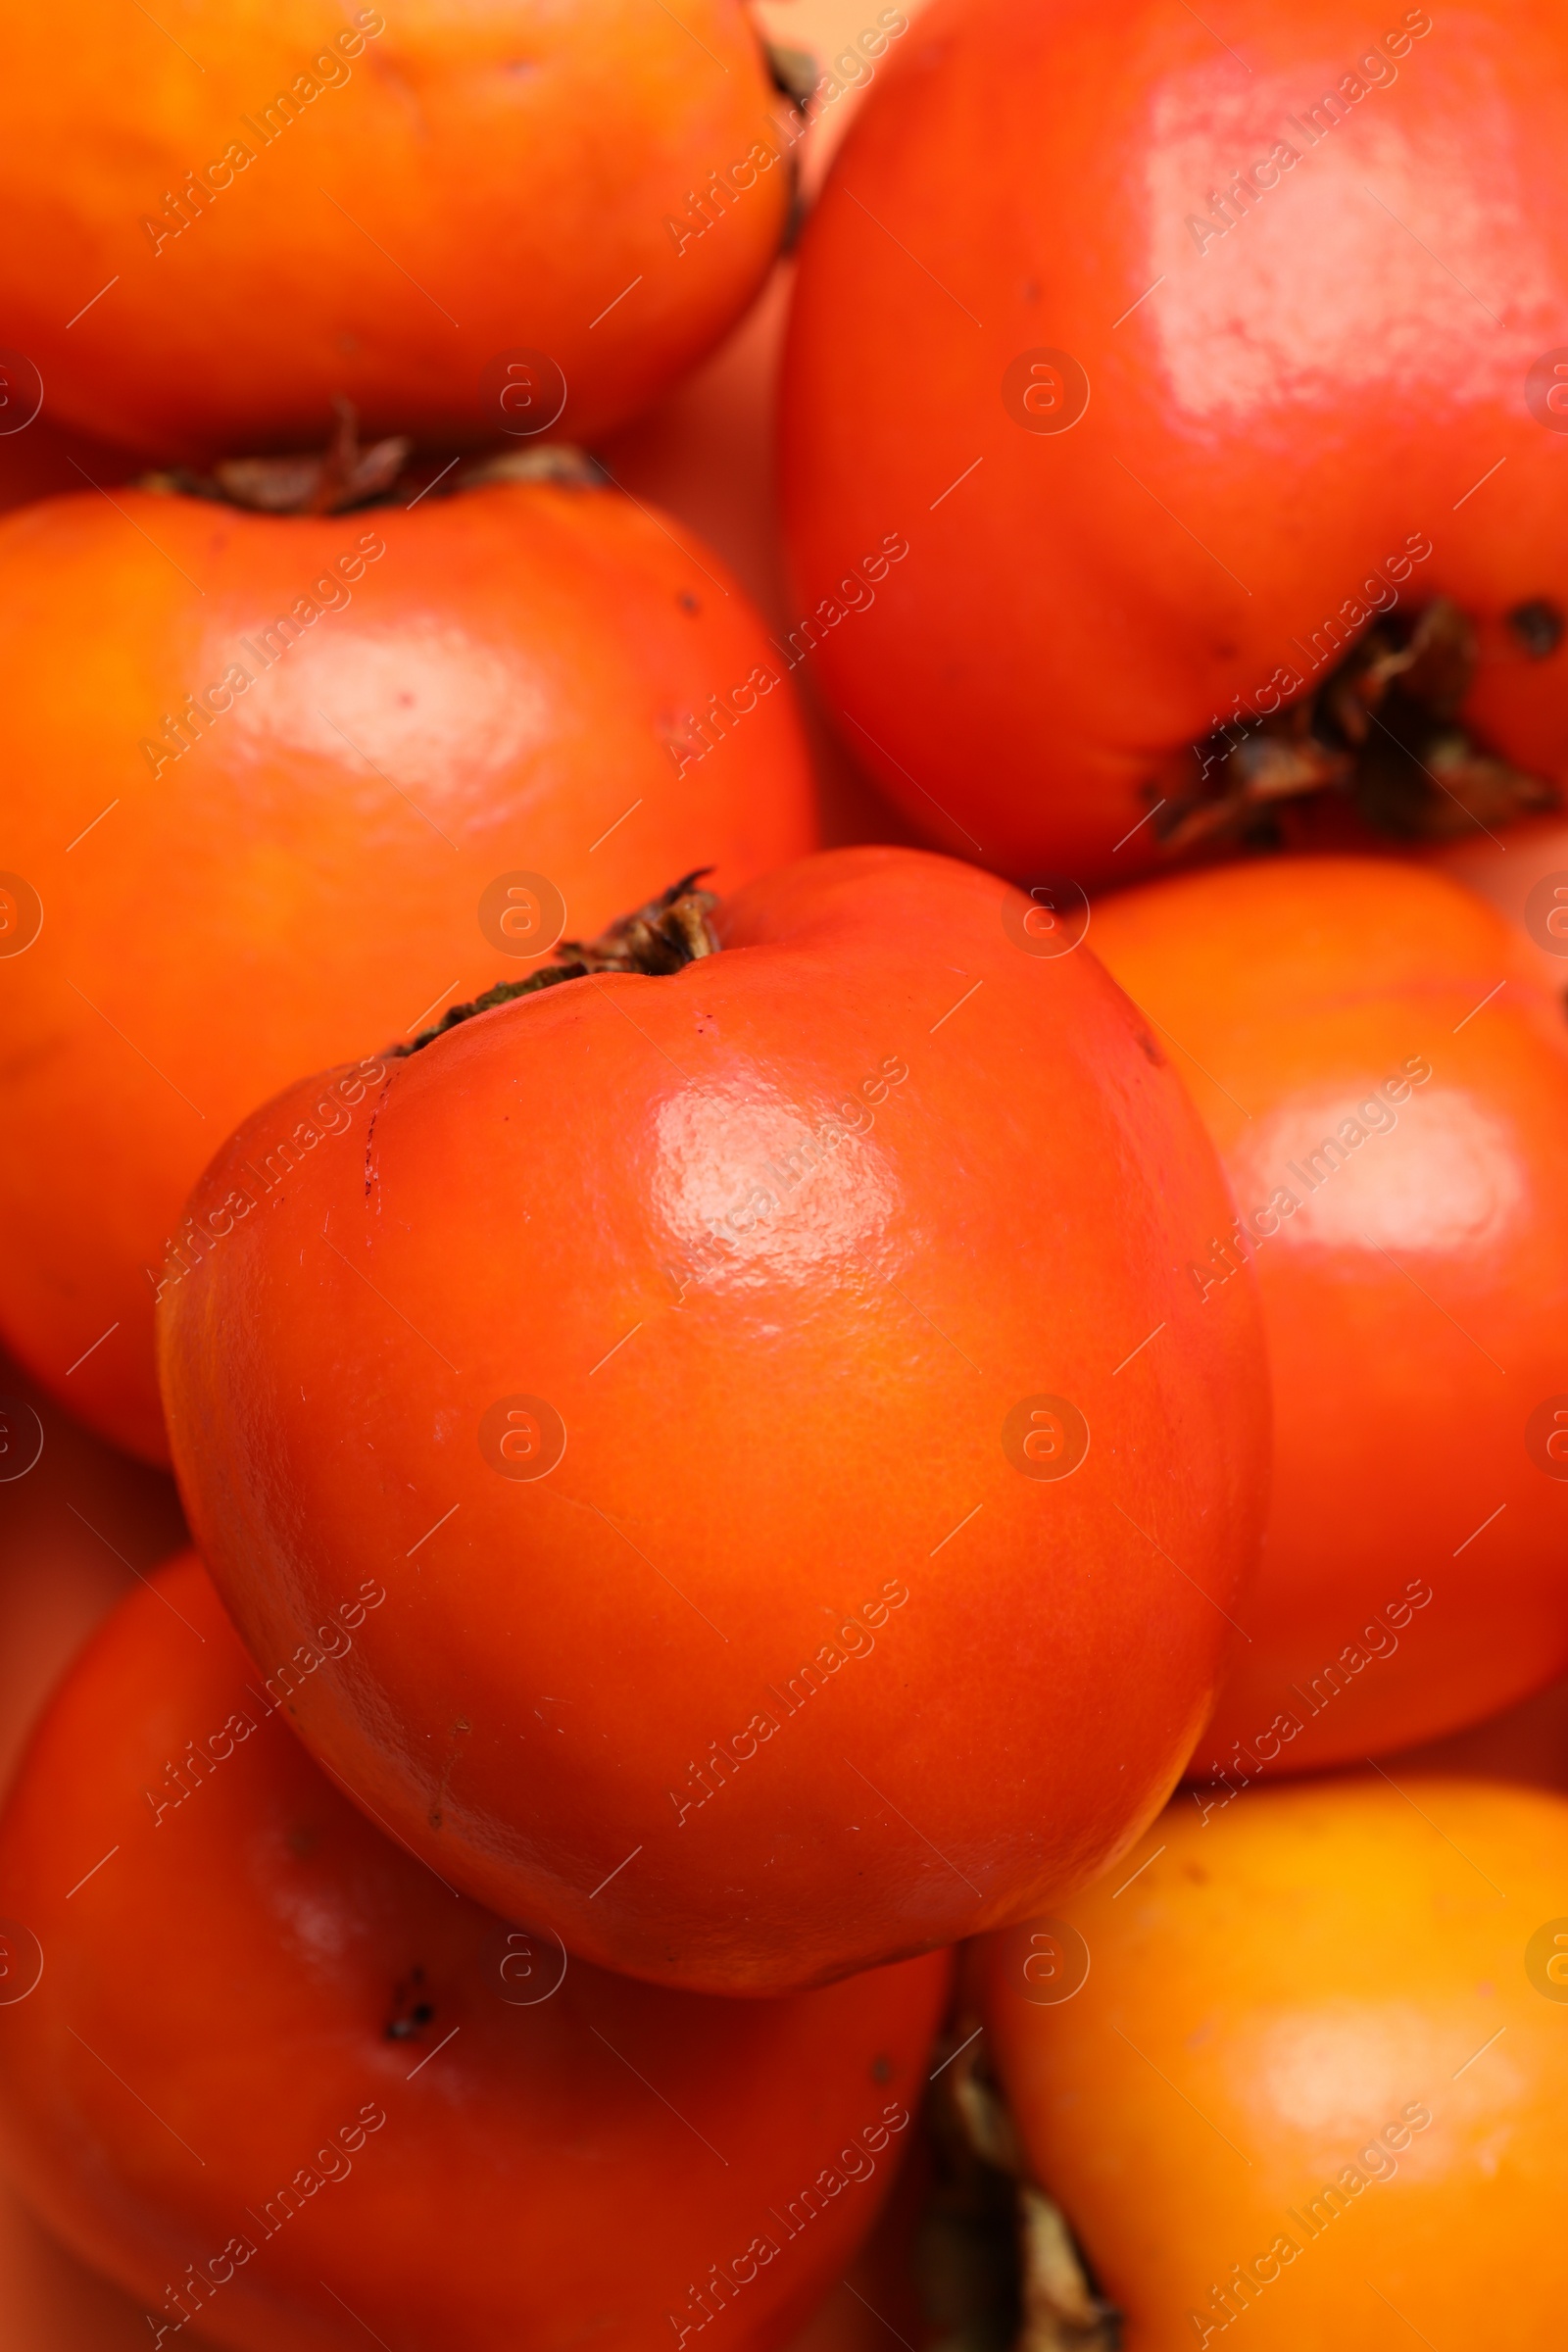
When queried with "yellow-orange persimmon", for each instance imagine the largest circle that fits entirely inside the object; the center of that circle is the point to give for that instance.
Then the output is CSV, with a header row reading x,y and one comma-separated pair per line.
x,y
469,221
1310,2089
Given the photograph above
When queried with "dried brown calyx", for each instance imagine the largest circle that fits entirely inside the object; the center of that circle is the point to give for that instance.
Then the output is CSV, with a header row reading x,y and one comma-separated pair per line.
x,y
794,72
999,2268
662,937
1382,729
343,475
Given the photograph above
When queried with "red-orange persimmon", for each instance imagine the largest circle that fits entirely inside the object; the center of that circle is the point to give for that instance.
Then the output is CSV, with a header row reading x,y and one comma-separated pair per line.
x,y
810,1492
467,220
1177,344
270,2074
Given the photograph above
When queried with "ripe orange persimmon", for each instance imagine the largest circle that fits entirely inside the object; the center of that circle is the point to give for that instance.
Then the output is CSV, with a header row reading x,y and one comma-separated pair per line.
x,y
467,221
285,788
1388,1085
812,1493
1306,2085
1179,350
269,2073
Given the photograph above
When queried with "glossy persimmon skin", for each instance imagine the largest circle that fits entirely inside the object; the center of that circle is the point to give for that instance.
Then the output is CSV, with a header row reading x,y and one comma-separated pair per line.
x,y
779,1240
1279,418
1312,1970
267,1967
464,186
508,687
1415,1295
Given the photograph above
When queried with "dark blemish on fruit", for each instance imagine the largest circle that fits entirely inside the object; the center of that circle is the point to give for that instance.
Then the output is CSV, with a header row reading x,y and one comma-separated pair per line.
x,y
411,2011
687,602
1151,1048
302,1844
881,2070
1196,1872
1538,627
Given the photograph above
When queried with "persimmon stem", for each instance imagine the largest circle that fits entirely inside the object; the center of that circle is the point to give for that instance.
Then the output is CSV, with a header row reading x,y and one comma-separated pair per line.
x,y
999,2260
343,475
1382,729
662,937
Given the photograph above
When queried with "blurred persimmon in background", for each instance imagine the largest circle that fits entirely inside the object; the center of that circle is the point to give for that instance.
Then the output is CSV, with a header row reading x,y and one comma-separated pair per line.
x,y
465,220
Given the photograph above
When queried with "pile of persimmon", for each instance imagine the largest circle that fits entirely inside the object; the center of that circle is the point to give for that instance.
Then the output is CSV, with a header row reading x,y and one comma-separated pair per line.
x,y
861,1621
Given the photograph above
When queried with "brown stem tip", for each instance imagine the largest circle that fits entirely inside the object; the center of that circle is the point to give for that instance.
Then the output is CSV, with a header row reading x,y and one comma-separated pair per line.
x,y
344,476
662,937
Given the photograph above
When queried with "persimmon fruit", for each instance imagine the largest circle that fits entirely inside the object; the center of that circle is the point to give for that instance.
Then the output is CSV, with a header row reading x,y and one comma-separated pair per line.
x,y
288,784
1387,1081
469,221
269,2073
1306,2082
812,1495
1173,402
